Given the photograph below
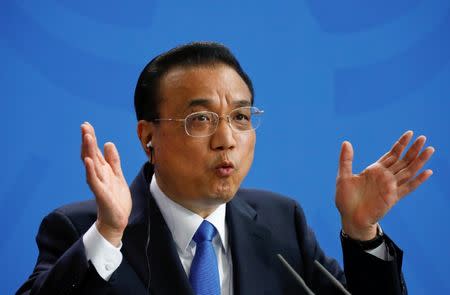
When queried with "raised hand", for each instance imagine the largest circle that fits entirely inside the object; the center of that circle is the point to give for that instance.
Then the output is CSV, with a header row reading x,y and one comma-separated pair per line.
x,y
105,178
363,199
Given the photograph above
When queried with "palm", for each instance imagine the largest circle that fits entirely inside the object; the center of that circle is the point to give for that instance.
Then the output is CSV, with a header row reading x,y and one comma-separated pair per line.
x,y
112,195
363,199
372,193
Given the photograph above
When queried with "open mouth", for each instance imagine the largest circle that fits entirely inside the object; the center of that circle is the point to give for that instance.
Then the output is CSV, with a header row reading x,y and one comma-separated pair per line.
x,y
225,169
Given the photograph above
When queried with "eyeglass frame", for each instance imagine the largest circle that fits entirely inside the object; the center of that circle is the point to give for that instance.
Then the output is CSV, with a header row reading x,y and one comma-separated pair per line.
x,y
227,117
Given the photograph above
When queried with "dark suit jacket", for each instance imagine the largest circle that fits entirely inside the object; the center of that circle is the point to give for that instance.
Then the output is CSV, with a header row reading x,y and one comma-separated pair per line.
x,y
261,224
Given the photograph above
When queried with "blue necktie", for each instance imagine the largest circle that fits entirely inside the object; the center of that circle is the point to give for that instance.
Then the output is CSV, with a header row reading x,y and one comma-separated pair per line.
x,y
204,274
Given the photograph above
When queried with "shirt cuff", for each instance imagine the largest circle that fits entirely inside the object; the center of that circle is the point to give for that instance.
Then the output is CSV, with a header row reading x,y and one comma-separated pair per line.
x,y
105,257
381,252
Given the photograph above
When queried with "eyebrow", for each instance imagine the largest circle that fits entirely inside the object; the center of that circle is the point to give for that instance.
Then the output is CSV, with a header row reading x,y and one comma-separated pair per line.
x,y
199,102
242,103
207,102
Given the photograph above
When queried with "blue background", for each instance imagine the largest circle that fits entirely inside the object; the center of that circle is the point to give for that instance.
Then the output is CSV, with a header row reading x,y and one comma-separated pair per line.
x,y
323,72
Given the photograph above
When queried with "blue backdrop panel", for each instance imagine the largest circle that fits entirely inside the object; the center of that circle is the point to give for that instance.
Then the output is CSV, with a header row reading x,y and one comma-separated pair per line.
x,y
323,72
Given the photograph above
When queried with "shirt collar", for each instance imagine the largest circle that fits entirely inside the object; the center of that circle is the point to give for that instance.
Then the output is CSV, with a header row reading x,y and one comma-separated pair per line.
x,y
183,223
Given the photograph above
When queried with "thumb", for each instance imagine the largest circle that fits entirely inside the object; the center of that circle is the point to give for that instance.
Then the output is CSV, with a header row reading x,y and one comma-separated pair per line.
x,y
345,160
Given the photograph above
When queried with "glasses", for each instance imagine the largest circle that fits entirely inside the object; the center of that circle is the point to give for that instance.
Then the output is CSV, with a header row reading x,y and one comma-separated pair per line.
x,y
203,124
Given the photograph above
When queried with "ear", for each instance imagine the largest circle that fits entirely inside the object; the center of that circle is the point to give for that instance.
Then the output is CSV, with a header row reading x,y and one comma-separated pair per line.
x,y
145,133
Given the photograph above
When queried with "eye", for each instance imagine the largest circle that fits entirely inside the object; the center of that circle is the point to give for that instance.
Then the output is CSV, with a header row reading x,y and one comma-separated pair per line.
x,y
201,118
204,118
241,117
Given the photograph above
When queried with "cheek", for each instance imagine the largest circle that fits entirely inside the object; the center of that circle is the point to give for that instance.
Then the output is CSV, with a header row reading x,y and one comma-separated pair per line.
x,y
185,156
247,152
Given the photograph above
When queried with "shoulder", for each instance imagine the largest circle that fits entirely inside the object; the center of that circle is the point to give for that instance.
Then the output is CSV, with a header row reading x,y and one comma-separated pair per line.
x,y
259,196
281,215
262,200
78,209
80,215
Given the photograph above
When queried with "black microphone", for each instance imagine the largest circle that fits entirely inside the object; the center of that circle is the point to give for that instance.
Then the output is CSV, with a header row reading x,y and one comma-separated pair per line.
x,y
297,277
335,282
321,268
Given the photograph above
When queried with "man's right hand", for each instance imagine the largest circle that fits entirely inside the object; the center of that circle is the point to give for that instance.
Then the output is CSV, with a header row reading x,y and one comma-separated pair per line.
x,y
105,178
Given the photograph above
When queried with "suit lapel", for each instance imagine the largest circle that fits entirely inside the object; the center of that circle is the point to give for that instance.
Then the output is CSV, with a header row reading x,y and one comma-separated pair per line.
x,y
167,275
251,248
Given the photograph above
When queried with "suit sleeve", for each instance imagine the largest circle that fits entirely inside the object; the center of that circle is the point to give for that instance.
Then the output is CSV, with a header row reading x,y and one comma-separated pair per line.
x,y
367,272
62,266
363,272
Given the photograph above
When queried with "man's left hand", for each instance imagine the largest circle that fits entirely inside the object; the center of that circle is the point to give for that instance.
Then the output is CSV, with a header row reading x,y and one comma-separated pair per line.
x,y
363,199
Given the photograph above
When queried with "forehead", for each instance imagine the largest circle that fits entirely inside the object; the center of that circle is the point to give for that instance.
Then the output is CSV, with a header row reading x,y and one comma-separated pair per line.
x,y
215,84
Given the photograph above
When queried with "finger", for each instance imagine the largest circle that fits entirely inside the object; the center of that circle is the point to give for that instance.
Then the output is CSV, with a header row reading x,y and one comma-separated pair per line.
x,y
410,186
112,157
345,160
410,155
84,131
91,152
89,147
397,147
407,173
91,177
388,159
91,131
391,159
97,156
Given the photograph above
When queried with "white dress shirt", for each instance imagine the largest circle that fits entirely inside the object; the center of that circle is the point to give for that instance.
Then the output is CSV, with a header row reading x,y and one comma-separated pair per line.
x,y
105,257
183,224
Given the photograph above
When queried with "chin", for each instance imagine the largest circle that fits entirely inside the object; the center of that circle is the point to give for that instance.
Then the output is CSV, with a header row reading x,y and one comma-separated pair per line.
x,y
224,191
217,200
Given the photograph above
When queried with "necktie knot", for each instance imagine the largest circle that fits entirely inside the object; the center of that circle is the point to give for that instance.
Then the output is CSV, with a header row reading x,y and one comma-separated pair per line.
x,y
205,232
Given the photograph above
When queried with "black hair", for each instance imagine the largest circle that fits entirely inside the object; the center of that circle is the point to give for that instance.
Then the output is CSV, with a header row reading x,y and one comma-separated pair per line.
x,y
146,95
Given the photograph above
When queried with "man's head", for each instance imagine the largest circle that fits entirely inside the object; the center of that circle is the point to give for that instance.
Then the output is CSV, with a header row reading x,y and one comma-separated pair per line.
x,y
197,172
147,97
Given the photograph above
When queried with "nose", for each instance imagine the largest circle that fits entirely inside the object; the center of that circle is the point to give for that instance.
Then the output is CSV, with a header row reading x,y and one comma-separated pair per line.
x,y
223,138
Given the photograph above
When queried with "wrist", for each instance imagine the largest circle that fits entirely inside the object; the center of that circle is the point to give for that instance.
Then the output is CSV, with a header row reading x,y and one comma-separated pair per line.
x,y
366,244
112,235
360,233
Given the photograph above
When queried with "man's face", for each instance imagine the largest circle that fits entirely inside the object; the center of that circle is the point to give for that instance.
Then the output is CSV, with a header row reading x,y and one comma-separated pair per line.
x,y
201,173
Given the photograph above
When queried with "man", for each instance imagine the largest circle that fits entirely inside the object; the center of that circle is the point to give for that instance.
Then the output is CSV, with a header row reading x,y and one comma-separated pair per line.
x,y
184,226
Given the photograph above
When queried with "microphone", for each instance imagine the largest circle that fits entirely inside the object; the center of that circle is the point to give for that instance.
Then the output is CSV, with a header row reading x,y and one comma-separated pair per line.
x,y
322,270
297,277
335,282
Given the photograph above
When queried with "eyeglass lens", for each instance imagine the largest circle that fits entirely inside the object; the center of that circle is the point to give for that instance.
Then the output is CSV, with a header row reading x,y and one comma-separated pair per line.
x,y
205,123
